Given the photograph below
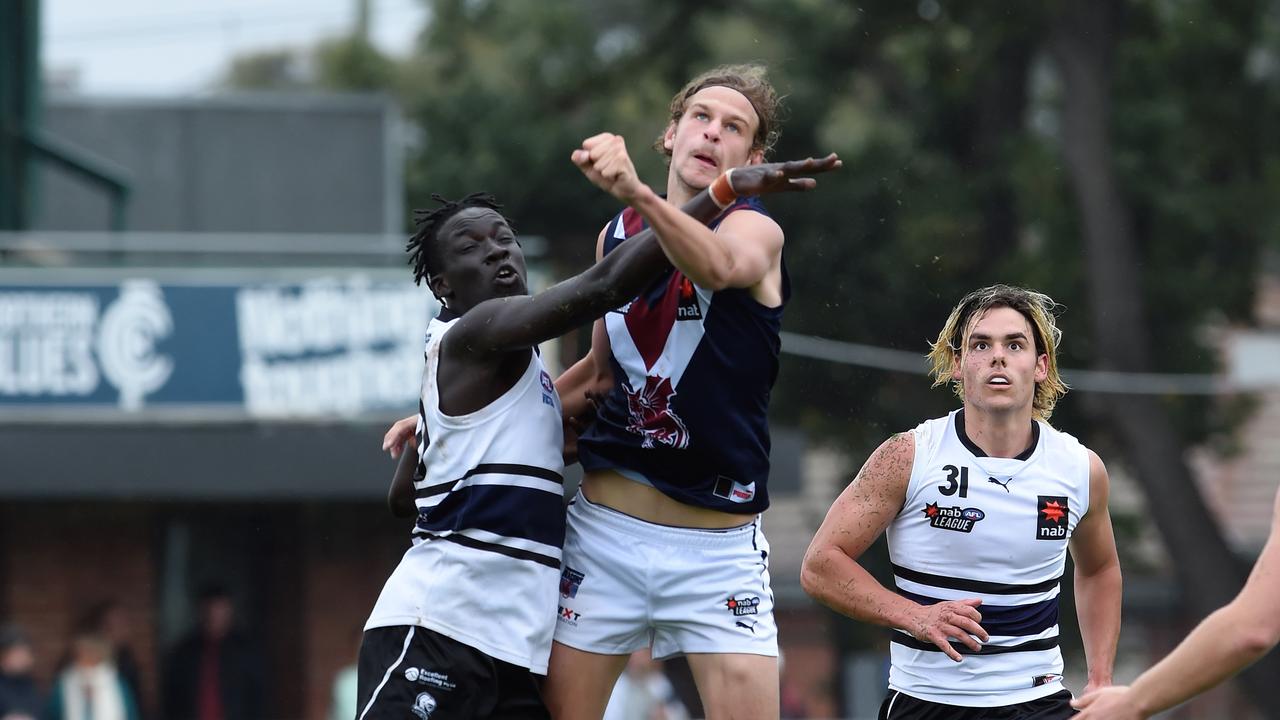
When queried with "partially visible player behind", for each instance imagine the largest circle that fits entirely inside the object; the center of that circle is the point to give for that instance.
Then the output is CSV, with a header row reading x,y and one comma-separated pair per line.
x,y
980,507
1222,645
465,621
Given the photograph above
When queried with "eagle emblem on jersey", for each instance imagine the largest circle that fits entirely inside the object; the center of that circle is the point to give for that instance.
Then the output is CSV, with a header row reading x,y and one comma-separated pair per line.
x,y
652,416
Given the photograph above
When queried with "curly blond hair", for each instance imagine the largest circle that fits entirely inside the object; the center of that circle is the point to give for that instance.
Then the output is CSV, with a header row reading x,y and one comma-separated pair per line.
x,y
1039,310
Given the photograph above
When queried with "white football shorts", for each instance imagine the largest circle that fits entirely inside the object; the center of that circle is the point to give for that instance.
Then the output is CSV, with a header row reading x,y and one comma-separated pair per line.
x,y
626,584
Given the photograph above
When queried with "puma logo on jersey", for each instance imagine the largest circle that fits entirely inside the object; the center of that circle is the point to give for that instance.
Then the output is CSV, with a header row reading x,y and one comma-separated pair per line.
x,y
1004,484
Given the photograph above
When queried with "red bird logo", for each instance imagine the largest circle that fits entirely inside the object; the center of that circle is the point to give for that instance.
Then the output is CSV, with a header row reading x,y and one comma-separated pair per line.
x,y
651,415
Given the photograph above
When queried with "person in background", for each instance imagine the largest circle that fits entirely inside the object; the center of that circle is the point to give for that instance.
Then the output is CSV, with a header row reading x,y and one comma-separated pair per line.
x,y
91,688
643,692
19,696
109,620
214,673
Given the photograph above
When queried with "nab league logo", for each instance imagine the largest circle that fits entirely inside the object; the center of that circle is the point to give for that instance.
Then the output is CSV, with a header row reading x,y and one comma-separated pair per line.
x,y
953,518
127,338
744,605
652,417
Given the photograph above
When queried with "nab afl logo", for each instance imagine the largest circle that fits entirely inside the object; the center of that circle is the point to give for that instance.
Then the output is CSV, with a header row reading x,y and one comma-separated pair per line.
x,y
652,417
744,605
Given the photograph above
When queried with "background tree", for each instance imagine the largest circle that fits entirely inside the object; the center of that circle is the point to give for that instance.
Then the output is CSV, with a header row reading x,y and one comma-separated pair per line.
x,y
1118,155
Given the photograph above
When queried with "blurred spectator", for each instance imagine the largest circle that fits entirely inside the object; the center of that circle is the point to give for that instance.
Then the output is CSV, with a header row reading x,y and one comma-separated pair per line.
x,y
343,702
91,688
644,693
110,621
214,673
19,697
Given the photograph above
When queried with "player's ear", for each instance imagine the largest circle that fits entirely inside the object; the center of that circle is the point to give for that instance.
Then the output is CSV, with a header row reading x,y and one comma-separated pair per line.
x,y
440,288
1042,367
669,137
756,157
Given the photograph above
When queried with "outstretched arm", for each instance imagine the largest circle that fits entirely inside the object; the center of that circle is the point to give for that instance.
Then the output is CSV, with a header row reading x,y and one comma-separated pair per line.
x,y
739,253
505,324
1226,642
831,572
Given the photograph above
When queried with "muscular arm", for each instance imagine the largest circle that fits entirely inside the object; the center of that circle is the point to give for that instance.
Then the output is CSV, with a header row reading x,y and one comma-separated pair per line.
x,y
737,254
506,324
590,374
1097,579
1226,642
832,575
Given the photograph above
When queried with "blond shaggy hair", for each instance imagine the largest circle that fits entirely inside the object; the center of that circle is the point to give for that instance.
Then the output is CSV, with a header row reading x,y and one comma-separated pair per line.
x,y
1036,307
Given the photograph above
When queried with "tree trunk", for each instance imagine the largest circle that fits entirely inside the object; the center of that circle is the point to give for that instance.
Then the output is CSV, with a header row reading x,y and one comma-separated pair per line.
x,y
1082,42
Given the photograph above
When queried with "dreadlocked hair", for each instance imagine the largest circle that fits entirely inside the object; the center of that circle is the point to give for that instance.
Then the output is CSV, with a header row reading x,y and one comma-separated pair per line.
x,y
422,245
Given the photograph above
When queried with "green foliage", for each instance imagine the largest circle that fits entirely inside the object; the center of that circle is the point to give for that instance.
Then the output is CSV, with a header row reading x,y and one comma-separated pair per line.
x,y
946,117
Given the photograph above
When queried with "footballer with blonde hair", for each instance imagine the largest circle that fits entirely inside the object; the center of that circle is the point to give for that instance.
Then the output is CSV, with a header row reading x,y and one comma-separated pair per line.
x,y
980,508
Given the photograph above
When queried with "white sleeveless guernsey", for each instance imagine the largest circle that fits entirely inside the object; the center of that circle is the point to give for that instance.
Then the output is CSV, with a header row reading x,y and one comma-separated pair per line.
x,y
975,526
485,561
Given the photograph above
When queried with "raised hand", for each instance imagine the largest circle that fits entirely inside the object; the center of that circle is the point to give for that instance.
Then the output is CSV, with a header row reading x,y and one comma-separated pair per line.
x,y
604,160
400,434
781,176
942,621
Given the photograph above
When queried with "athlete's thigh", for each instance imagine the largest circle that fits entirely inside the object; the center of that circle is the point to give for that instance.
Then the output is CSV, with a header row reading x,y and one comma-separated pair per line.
x,y
579,682
603,584
519,695
408,673
711,595
736,685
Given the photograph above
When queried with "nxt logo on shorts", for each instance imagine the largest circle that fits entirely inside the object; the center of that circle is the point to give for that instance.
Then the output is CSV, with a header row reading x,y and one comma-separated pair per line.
x,y
743,605
568,616
1052,517
953,518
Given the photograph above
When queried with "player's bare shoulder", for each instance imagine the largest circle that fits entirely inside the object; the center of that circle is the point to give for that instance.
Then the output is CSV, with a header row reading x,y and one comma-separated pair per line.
x,y
888,469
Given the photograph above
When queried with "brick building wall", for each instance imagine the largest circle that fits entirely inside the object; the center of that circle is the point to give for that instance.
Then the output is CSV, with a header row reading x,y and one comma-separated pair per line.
x,y
60,559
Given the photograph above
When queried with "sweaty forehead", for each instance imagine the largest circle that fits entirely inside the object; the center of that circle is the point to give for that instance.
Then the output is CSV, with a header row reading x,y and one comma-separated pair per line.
x,y
473,221
718,97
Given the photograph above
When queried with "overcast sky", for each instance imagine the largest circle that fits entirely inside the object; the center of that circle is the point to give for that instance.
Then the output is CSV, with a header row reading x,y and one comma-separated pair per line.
x,y
179,47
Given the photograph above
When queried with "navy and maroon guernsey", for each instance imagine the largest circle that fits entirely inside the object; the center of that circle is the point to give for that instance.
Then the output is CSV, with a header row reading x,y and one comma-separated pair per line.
x,y
693,369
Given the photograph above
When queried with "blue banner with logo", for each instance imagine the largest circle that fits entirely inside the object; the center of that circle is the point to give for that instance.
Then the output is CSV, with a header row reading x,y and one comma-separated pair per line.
x,y
330,346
